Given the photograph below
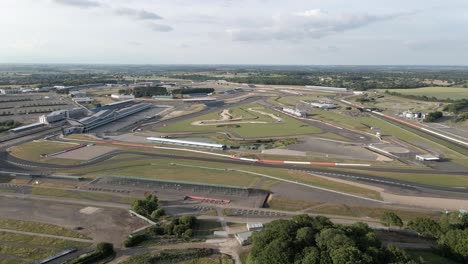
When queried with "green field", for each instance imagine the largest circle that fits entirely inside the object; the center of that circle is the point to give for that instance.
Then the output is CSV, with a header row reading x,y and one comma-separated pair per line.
x,y
33,150
285,204
73,194
289,126
40,228
162,169
454,93
334,117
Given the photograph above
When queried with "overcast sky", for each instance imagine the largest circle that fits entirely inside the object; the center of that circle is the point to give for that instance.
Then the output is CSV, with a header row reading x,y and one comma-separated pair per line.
x,y
352,32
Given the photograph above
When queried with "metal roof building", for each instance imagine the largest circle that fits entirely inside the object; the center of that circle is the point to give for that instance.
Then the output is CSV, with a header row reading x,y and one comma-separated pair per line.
x,y
186,143
243,238
427,158
254,226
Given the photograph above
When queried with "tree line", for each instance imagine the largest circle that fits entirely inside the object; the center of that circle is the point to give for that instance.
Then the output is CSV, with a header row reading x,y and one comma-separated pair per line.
x,y
309,240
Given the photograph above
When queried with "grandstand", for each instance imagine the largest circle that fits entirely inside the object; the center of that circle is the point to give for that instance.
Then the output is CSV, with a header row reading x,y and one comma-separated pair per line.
x,y
106,116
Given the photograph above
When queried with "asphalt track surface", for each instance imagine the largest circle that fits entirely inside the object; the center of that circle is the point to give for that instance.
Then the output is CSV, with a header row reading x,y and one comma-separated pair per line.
x,y
13,164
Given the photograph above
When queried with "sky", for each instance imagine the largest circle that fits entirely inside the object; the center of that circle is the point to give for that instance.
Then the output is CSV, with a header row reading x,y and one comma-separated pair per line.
x,y
300,32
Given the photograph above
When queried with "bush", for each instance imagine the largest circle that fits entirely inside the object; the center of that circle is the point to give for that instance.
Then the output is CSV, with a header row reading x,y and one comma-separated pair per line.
x,y
188,233
132,241
149,91
157,213
193,91
102,251
168,227
433,116
105,248
391,219
156,231
89,258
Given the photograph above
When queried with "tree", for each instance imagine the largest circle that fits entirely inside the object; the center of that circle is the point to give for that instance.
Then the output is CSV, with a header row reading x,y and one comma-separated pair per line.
x,y
305,235
395,254
425,227
455,244
188,220
309,240
168,228
179,230
332,238
311,255
391,219
146,206
348,255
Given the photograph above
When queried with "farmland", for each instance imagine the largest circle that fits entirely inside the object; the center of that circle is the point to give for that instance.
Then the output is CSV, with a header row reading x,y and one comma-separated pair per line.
x,y
454,93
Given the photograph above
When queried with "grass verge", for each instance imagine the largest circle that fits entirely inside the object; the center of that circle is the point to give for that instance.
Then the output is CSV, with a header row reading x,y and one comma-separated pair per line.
x,y
40,228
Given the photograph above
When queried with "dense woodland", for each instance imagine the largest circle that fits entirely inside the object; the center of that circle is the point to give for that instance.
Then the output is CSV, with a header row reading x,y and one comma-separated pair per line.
x,y
311,240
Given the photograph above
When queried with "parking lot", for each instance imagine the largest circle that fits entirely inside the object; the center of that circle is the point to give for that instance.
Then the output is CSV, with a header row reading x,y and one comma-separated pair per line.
x,y
27,108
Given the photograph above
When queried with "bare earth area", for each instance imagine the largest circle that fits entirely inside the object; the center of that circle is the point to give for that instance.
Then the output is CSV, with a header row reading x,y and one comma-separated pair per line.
x,y
86,153
99,223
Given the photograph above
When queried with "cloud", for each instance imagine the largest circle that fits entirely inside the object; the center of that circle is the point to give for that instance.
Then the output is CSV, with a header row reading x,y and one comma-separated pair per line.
x,y
160,27
79,3
138,14
183,45
134,43
313,23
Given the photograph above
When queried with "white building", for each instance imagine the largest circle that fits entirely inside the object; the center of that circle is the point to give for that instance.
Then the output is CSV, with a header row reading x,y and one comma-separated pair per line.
x,y
327,89
254,226
186,143
427,158
10,91
83,100
123,96
295,112
243,238
321,105
61,115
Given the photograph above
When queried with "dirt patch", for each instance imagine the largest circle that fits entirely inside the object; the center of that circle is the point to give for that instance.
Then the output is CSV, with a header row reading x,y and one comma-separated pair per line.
x,y
85,153
106,224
